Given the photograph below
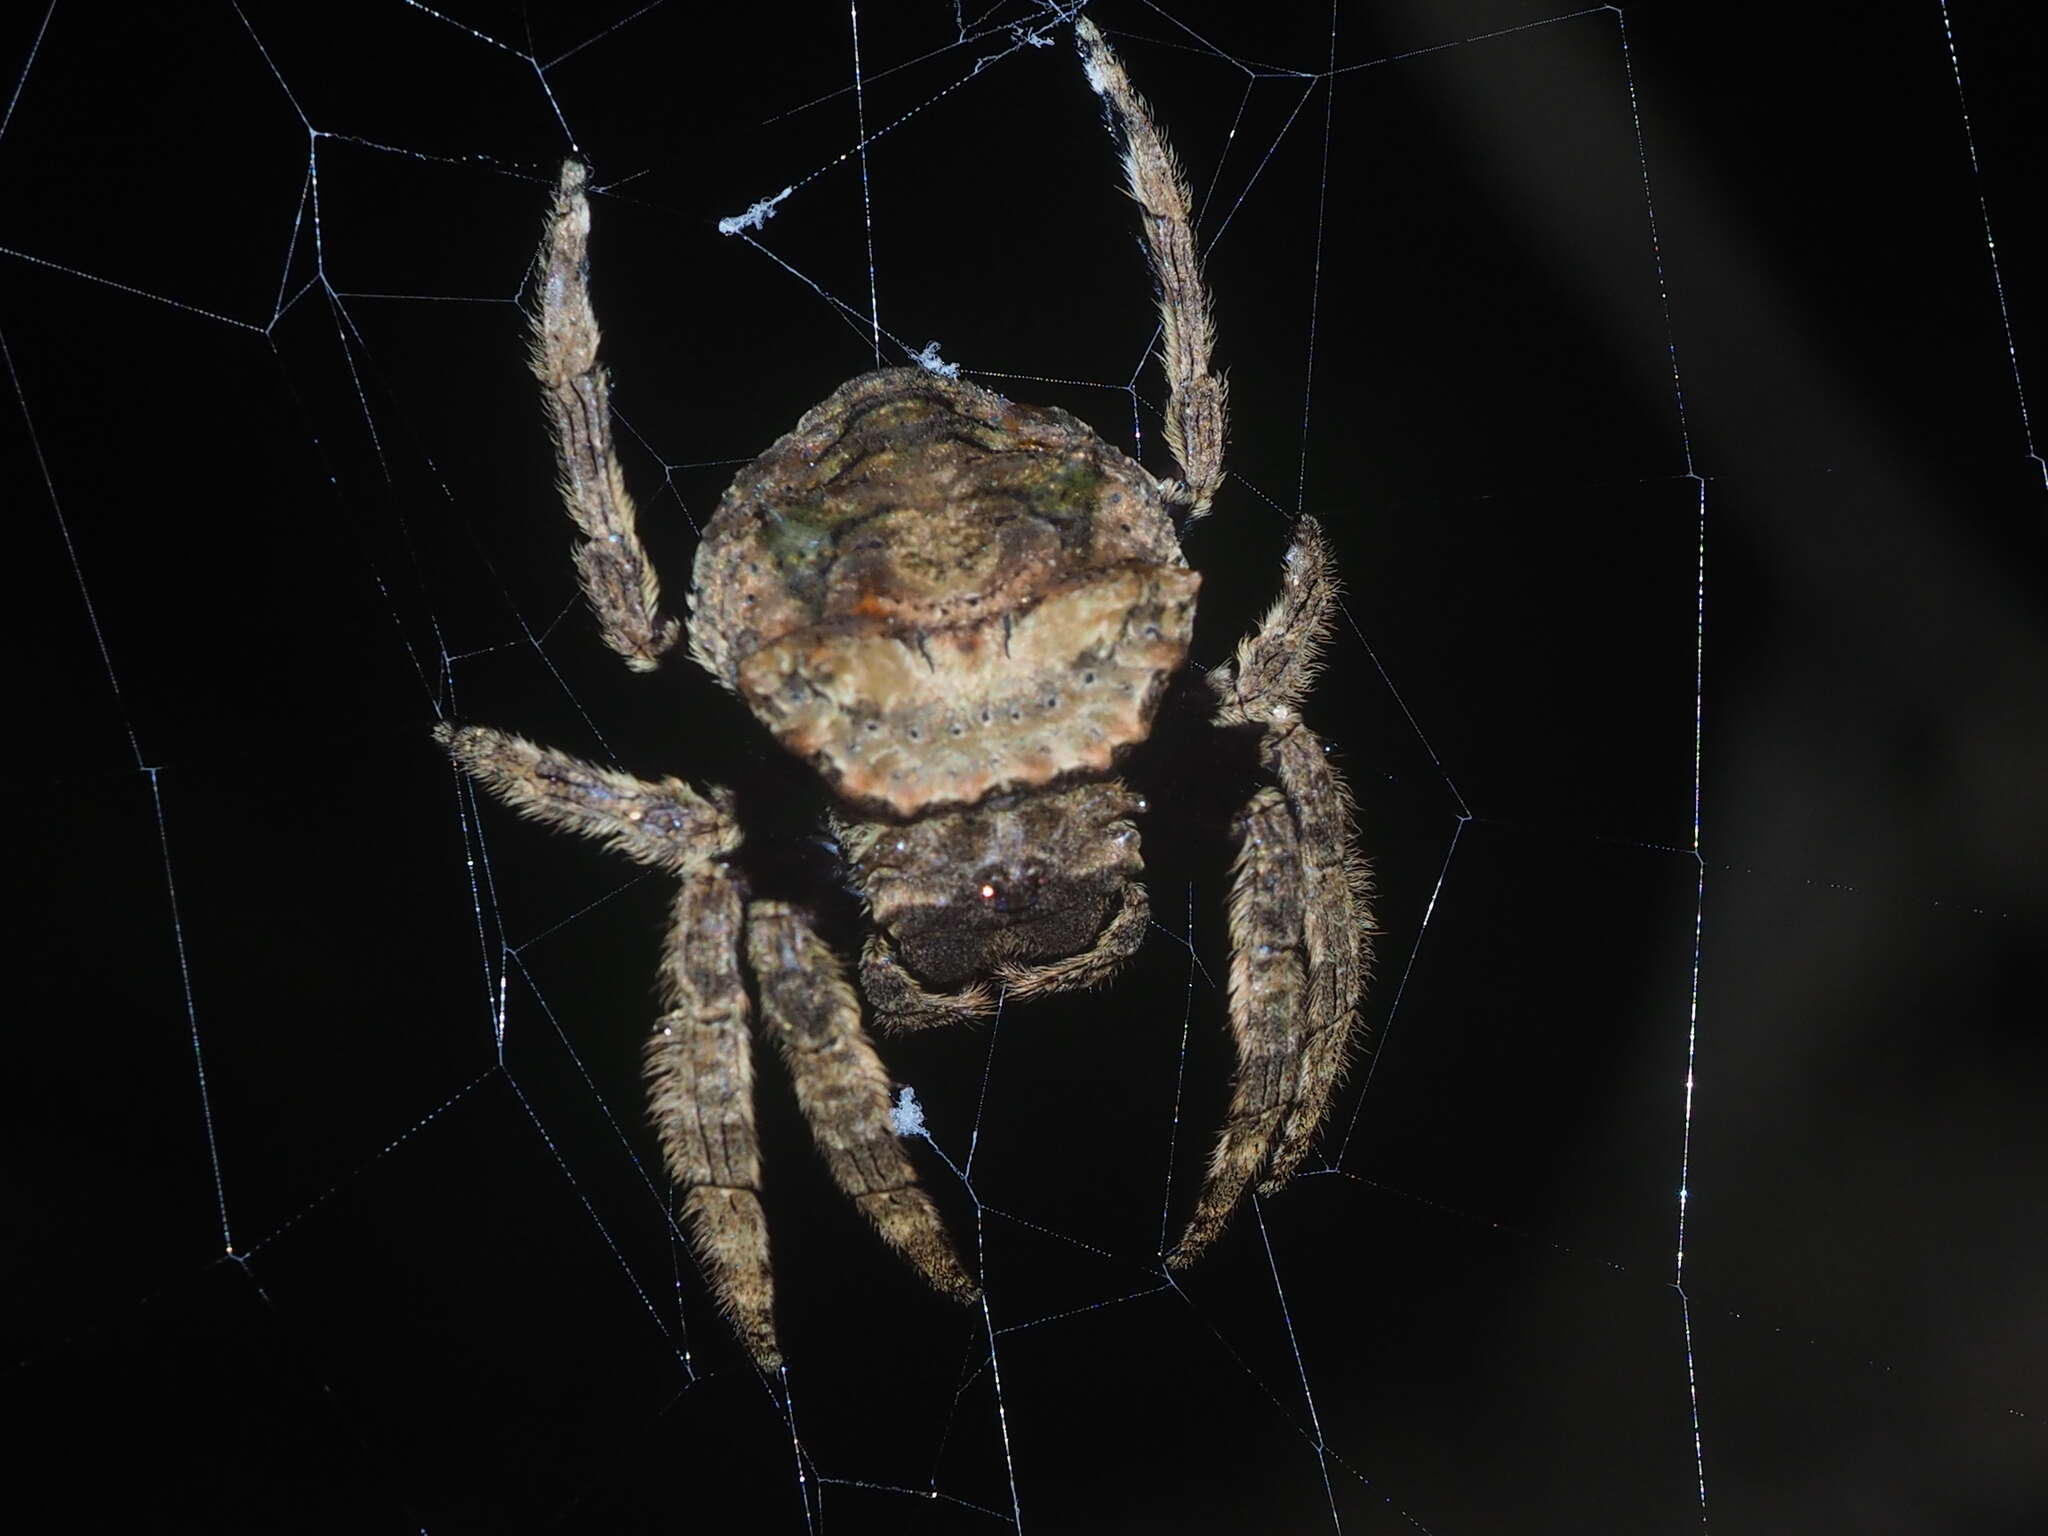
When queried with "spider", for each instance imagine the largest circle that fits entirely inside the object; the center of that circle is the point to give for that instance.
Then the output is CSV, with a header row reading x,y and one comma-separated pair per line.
x,y
962,613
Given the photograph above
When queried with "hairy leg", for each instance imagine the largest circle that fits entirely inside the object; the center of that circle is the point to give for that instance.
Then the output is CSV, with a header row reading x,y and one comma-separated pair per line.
x,y
1274,668
1335,934
1094,965
700,1078
618,578
1300,913
699,1059
1276,664
666,823
1196,404
843,1089
1268,995
901,1002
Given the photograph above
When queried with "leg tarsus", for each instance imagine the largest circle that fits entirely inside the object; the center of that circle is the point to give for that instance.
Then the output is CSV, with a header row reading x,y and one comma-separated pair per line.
x,y
729,1231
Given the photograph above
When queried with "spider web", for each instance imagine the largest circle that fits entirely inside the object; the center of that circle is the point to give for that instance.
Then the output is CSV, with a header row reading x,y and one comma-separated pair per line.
x,y
1663,387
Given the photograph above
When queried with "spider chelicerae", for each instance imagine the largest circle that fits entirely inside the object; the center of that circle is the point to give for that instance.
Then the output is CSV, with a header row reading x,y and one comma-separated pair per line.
x,y
962,613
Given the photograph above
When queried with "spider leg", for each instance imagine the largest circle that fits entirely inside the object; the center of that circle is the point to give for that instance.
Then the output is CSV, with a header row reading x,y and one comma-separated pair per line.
x,y
700,1078
666,824
618,578
1093,966
1268,995
1277,663
1197,414
901,1002
843,1089
1300,916
699,1059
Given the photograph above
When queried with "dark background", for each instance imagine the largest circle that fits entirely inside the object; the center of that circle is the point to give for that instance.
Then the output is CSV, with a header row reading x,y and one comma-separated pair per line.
x,y
279,495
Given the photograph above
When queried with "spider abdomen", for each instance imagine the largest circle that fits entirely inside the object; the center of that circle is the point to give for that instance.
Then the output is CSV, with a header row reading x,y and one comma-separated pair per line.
x,y
935,595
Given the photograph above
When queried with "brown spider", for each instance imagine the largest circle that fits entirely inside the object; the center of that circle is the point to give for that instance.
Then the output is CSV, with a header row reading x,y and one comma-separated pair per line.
x,y
961,612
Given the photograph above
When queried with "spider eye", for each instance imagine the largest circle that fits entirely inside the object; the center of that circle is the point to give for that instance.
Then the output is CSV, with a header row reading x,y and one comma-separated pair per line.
x,y
1010,890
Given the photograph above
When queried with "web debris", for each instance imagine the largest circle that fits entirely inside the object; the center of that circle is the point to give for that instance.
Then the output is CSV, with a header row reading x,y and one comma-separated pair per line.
x,y
929,360
756,216
908,1115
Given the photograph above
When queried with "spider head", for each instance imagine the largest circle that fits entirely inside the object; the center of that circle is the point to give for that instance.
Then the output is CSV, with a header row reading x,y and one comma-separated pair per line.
x,y
1013,882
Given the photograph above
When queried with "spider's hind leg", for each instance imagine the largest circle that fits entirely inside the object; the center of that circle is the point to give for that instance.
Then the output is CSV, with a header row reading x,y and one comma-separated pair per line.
x,y
843,1089
700,1077
1300,917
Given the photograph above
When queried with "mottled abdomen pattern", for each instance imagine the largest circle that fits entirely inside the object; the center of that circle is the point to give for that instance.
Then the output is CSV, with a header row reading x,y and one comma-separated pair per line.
x,y
936,595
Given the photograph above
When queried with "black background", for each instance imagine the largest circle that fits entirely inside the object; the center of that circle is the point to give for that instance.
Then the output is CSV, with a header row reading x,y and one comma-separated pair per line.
x,y
279,493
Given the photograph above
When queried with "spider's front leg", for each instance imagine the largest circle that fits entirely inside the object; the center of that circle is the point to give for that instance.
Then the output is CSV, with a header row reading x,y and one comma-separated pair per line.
x,y
1197,404
700,1065
1300,920
618,578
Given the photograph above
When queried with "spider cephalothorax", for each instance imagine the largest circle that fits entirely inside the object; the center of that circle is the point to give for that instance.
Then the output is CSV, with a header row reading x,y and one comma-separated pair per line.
x,y
961,612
